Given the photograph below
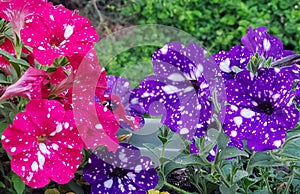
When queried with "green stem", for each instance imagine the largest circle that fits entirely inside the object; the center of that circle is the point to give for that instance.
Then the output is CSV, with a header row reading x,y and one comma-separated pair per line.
x,y
267,182
18,46
218,122
248,163
286,190
225,181
288,140
176,188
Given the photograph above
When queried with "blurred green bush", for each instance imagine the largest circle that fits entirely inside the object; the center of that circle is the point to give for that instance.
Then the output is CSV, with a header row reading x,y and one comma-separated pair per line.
x,y
217,24
220,24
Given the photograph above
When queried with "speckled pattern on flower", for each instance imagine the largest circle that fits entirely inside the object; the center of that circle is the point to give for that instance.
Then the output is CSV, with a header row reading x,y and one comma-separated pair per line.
x,y
16,11
54,31
124,171
44,144
260,107
255,41
96,123
30,85
119,92
180,88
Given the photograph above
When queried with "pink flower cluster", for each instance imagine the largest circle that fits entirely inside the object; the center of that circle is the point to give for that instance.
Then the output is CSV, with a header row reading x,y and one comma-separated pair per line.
x,y
46,139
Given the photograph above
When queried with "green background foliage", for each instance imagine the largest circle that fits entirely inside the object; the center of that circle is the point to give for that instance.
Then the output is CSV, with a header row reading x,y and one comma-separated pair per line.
x,y
217,24
220,24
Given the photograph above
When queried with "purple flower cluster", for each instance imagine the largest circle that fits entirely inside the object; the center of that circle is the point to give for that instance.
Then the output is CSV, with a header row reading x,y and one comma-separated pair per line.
x,y
255,41
259,105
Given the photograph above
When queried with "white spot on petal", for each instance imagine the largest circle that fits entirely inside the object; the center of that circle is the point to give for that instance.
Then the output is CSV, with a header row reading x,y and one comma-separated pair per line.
x,y
41,48
247,113
277,143
238,120
13,149
184,131
51,17
123,157
267,44
170,89
138,168
176,77
43,148
55,146
98,126
41,160
164,49
233,107
68,31
224,65
59,128
34,166
108,183
233,134
66,125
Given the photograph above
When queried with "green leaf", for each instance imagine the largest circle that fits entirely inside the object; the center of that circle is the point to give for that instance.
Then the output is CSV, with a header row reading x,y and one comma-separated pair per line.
x,y
2,185
291,149
239,175
3,126
75,187
225,190
189,160
213,134
19,185
161,180
222,141
230,152
152,148
52,191
171,166
263,159
264,191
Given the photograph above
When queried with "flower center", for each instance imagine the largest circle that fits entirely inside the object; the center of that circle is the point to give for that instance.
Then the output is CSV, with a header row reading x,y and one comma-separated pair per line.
x,y
42,138
110,104
119,172
56,41
266,107
195,85
232,74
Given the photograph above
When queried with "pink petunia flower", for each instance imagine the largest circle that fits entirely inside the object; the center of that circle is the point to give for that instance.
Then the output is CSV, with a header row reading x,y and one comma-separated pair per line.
x,y
31,85
55,31
16,11
44,144
96,123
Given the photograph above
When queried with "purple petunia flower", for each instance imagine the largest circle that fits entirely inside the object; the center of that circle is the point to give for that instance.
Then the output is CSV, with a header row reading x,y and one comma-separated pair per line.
x,y
260,107
255,41
124,171
180,89
119,90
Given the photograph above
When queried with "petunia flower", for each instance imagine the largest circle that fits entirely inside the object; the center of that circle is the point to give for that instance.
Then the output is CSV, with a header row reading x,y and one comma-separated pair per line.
x,y
255,41
55,31
124,171
30,85
180,89
117,100
16,11
96,123
260,107
44,144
